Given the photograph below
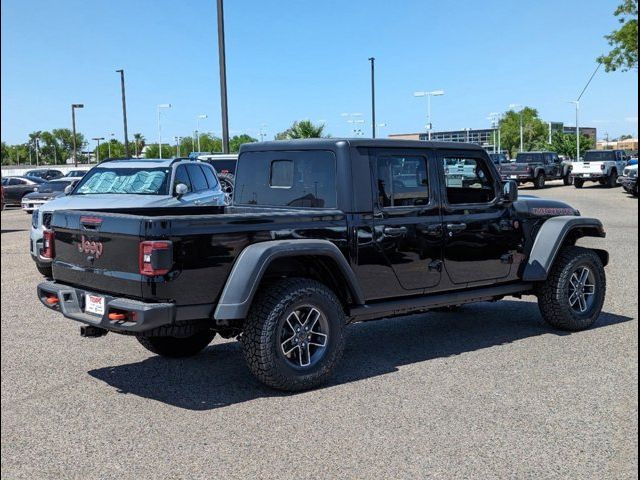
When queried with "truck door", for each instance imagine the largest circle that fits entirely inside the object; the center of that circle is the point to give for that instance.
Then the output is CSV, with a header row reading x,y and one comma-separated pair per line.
x,y
479,237
407,223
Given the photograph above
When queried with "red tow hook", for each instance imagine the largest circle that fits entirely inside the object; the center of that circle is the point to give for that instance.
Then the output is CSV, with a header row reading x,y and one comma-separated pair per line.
x,y
52,300
117,316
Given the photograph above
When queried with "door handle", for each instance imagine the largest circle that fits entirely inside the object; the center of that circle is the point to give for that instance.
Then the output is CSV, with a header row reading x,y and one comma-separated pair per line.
x,y
197,202
395,231
456,227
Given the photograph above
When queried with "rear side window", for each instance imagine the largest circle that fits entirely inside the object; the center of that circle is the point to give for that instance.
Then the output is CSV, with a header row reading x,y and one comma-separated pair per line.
x,y
198,180
210,175
304,179
401,181
182,177
528,158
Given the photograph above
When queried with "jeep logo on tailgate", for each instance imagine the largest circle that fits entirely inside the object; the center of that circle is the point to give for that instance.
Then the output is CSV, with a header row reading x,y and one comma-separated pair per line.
x,y
89,246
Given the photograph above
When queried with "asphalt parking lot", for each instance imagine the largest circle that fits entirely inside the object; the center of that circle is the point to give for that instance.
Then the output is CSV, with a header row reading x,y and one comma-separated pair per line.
x,y
485,392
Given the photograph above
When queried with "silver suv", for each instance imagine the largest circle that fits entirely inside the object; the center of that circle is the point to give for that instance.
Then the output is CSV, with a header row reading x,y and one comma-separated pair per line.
x,y
130,184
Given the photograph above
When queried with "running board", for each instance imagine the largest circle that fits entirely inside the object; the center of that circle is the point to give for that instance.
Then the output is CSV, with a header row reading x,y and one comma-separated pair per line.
x,y
428,302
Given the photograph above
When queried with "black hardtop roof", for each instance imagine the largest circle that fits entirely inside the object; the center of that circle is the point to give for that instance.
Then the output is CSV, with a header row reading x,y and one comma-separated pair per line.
x,y
536,151
333,143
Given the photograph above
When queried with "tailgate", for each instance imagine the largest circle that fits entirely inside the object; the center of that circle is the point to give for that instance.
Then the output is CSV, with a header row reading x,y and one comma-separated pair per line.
x,y
98,251
586,167
514,168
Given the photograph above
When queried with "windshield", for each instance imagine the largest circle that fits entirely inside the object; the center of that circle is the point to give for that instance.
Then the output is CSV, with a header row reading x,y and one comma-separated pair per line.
x,y
498,157
53,187
602,156
222,166
141,181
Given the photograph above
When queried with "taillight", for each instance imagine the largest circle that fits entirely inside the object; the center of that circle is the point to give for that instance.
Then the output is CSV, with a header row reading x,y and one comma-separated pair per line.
x,y
156,257
48,250
602,166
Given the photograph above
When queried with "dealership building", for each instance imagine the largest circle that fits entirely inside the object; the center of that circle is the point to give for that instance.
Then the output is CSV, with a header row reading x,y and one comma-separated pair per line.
x,y
485,137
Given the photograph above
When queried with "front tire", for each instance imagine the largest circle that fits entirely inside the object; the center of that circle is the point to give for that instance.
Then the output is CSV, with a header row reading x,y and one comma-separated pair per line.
x,y
612,180
573,294
177,347
567,179
294,334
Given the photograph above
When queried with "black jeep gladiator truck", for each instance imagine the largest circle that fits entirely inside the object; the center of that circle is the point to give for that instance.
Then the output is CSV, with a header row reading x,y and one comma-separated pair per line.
x,y
322,233
537,168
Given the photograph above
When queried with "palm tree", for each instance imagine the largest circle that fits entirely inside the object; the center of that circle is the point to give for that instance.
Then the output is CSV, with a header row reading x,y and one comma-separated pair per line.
x,y
302,129
139,142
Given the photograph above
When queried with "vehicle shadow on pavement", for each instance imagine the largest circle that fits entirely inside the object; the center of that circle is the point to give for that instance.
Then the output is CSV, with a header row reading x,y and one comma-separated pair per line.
x,y
218,377
12,230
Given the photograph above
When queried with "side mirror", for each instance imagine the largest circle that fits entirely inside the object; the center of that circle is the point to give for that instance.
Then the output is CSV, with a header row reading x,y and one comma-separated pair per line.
x,y
509,191
68,189
181,189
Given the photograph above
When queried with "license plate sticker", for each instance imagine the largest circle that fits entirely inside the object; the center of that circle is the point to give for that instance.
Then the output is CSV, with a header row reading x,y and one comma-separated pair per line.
x,y
94,304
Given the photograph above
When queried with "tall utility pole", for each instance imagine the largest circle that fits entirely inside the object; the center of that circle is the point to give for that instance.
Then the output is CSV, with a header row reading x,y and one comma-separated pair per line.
x,y
577,104
373,96
73,126
223,78
37,147
513,106
124,114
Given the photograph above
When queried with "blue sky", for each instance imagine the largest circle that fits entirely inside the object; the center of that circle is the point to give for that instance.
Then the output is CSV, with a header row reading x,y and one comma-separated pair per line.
x,y
294,59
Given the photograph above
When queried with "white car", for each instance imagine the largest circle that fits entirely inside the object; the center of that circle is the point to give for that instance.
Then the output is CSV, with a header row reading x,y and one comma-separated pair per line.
x,y
46,192
603,166
130,184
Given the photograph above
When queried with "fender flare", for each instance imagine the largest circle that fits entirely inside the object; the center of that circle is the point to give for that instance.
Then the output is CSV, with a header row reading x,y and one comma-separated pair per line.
x,y
253,261
550,239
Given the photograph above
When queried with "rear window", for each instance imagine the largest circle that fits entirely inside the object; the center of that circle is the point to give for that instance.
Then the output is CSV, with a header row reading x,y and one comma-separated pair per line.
x,y
198,180
53,187
222,166
528,158
287,179
601,156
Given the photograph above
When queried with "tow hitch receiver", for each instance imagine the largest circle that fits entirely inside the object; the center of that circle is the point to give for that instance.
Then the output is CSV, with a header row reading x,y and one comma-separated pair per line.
x,y
89,331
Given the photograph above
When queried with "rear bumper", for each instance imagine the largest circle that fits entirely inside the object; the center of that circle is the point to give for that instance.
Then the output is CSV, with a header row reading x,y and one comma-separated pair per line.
x,y
141,316
518,177
589,176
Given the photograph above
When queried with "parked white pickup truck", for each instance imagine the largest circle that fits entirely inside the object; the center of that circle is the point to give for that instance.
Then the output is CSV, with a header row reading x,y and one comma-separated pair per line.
x,y
601,166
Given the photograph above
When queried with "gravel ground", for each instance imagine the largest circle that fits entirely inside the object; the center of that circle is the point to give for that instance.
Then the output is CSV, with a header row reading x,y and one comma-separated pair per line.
x,y
486,392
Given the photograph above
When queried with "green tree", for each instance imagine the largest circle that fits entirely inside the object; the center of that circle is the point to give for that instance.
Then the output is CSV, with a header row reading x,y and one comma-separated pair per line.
x,y
534,130
64,138
301,129
111,149
624,55
168,151
138,144
236,141
565,144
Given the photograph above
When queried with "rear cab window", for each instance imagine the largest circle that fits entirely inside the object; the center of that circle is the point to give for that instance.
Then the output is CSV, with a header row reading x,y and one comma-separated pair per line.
x,y
198,180
305,179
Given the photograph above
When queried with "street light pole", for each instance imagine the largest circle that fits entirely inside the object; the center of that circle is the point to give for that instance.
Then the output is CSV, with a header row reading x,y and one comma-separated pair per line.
x,y
223,78
434,93
97,139
124,114
162,105
577,104
36,145
514,106
73,126
203,116
110,142
373,96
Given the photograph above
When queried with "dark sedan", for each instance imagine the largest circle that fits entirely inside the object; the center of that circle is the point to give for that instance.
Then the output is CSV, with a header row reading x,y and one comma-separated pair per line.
x,y
45,192
44,173
17,187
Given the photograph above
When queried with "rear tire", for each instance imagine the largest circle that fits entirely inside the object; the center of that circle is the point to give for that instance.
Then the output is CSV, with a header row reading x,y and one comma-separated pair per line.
x,y
573,294
176,347
45,270
227,183
540,181
567,179
578,183
294,334
612,180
